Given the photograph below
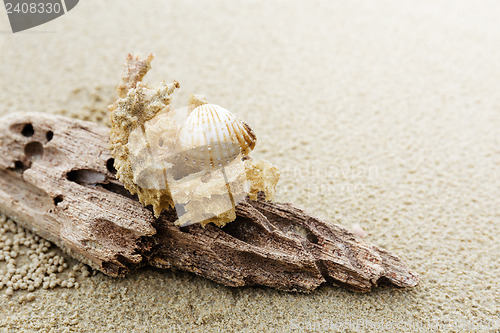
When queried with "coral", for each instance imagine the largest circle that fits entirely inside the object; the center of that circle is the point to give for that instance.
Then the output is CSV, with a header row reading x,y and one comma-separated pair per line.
x,y
135,106
263,176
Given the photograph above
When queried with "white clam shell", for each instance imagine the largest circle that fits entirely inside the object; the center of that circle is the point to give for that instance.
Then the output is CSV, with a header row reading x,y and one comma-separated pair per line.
x,y
211,135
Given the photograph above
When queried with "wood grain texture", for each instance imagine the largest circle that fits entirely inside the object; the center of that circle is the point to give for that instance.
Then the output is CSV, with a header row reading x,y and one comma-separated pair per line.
x,y
56,179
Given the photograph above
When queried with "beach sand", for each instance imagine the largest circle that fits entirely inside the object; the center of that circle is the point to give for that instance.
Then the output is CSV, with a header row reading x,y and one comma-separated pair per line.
x,y
385,114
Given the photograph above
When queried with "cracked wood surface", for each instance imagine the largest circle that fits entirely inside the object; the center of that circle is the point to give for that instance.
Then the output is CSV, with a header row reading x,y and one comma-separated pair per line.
x,y
56,179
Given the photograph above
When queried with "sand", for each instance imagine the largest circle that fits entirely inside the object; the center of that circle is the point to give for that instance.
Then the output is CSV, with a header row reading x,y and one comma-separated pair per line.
x,y
384,114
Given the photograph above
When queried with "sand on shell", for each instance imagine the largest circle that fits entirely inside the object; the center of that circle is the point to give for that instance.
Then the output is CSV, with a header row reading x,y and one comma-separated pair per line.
x,y
384,114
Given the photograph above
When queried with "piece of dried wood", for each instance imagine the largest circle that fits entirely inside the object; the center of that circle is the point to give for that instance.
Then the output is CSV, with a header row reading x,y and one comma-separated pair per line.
x,y
56,179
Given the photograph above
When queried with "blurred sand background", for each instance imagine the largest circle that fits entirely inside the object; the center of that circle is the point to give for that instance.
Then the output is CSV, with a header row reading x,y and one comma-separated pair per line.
x,y
384,113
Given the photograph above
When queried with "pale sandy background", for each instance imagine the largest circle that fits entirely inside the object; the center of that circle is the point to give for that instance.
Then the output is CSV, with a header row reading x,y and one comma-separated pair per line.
x,y
381,113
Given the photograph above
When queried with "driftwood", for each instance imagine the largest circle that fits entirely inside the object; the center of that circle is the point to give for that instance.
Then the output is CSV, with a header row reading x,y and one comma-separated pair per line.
x,y
56,179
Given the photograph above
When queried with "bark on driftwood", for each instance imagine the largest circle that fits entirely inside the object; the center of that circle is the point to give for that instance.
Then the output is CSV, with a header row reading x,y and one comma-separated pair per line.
x,y
56,179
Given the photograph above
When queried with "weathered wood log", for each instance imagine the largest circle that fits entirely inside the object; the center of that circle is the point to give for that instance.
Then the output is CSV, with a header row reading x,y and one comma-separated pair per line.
x,y
56,179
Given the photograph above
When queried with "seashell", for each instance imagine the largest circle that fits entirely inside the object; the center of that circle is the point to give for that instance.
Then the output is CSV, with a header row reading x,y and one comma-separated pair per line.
x,y
211,135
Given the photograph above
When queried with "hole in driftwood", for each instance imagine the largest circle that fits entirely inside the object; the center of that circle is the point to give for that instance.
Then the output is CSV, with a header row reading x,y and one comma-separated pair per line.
x,y
19,167
33,150
85,177
28,130
49,135
58,200
383,281
118,189
110,165
312,238
247,230
301,231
